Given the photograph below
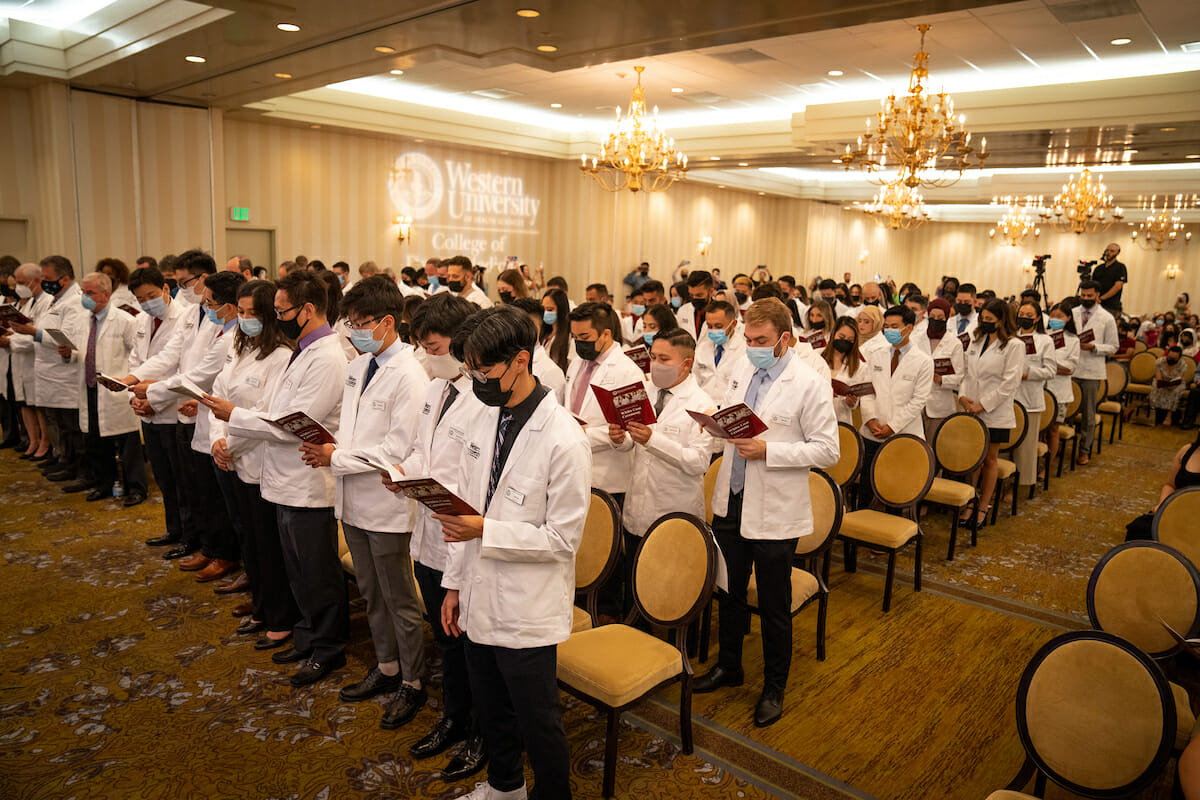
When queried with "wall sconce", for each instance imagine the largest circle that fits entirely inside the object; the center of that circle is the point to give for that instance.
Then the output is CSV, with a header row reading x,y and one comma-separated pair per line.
x,y
704,244
403,228
1172,271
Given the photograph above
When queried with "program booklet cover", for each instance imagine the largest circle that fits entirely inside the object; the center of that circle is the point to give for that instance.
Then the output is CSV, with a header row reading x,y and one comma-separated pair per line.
x,y
1087,336
625,405
640,356
111,383
188,389
943,366
303,426
433,495
61,338
841,389
735,422
10,315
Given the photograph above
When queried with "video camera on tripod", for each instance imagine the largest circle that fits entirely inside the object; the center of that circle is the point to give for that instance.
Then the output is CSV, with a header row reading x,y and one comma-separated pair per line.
x,y
1085,269
1039,264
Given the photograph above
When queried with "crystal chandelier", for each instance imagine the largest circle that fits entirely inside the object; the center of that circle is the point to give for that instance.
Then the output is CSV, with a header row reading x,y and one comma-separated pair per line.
x,y
1163,226
918,133
638,155
1017,223
1083,206
897,206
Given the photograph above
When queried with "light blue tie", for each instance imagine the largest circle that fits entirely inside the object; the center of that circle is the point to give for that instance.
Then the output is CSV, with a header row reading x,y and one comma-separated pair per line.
x,y
737,475
962,324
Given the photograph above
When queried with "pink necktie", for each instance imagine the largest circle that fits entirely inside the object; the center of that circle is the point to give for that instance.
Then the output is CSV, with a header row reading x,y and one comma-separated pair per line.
x,y
581,386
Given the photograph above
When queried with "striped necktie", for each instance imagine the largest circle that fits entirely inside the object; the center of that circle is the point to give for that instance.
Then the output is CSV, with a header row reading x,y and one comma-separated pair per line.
x,y
497,463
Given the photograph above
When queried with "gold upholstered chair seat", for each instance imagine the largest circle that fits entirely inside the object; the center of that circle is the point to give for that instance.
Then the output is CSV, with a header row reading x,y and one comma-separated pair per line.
x,y
946,492
344,554
804,586
1185,719
875,527
1109,407
1066,431
580,620
1005,794
597,661
1137,388
1005,469
1042,449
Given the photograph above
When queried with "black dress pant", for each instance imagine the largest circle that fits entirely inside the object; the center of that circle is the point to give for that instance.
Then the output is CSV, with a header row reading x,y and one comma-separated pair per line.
x,y
516,701
456,687
615,597
160,449
262,556
69,449
771,560
206,522
234,545
310,554
102,454
183,469
866,493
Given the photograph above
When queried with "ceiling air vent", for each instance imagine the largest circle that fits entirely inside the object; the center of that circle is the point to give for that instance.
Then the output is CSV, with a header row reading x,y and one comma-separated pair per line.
x,y
704,98
747,56
1088,10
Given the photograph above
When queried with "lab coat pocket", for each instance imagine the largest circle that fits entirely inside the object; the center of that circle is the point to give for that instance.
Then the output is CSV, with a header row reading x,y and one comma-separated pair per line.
x,y
522,498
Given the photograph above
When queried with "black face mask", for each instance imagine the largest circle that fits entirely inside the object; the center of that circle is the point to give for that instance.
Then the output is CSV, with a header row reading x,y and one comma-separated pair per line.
x,y
843,346
290,327
741,297
830,300
816,324
963,309
586,350
872,302
52,287
855,298
699,304
987,327
1089,303
454,286
937,328
489,392
1172,361
506,297
1026,323
8,291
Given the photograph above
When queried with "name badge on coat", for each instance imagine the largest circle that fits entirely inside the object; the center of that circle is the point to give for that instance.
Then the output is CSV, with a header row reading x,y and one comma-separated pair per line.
x,y
515,496
378,405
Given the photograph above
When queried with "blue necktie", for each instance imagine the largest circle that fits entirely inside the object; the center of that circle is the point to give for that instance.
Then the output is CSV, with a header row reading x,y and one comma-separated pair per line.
x,y
501,429
737,475
962,324
720,352
372,368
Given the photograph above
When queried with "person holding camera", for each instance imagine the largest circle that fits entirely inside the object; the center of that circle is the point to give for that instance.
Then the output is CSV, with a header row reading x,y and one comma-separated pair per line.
x,y
1112,277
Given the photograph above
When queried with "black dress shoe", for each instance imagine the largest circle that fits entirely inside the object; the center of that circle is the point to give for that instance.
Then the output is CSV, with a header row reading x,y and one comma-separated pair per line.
x,y
75,487
443,735
178,551
312,670
134,499
96,495
267,643
161,541
44,459
403,707
467,761
769,708
61,475
290,656
376,683
717,677
250,626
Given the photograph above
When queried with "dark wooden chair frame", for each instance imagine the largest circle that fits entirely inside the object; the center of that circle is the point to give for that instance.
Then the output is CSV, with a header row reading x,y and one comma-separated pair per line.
x,y
591,591
998,492
965,476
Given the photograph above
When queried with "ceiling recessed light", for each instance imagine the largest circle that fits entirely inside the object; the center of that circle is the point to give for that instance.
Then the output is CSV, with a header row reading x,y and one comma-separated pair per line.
x,y
528,13
743,163
721,186
418,140
547,48
383,48
1121,41
1166,130
1194,155
290,27
283,74
837,161
194,59
677,90
836,73
760,194
714,158
556,105
396,72
314,127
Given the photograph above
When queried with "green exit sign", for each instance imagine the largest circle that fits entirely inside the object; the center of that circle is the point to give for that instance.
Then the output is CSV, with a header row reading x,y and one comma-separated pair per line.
x,y
239,214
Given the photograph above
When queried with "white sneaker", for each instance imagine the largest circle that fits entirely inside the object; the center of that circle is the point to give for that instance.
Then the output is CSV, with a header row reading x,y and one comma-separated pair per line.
x,y
484,791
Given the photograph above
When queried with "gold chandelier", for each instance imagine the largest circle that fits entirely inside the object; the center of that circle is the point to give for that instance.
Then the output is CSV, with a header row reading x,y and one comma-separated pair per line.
x,y
916,133
1083,206
897,206
1163,226
1016,224
638,154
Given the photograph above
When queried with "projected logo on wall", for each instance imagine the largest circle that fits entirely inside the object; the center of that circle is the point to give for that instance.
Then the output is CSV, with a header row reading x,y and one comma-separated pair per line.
x,y
463,205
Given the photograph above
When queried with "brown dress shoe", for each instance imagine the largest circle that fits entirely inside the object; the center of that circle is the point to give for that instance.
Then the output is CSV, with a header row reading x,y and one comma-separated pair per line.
x,y
244,610
239,584
196,562
217,568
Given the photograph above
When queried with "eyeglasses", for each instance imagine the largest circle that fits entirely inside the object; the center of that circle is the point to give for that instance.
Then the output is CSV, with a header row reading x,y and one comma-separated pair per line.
x,y
212,307
188,281
279,312
362,326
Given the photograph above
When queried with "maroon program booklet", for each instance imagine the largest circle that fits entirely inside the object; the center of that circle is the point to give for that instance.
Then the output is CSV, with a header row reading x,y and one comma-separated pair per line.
x,y
625,405
10,315
965,338
436,497
305,427
1060,339
640,356
1030,345
943,366
842,389
735,422
1087,336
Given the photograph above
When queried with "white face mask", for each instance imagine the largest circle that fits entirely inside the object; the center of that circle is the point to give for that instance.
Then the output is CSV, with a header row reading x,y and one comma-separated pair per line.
x,y
664,376
444,366
24,292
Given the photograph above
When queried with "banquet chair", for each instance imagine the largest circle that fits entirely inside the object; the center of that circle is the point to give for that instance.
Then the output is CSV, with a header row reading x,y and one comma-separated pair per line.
x,y
960,445
1111,405
1007,469
598,555
1175,522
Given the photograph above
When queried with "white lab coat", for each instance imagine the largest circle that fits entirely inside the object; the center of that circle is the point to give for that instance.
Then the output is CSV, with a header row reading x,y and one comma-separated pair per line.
x,y
1066,356
114,341
1092,362
712,377
477,296
517,582
24,349
380,420
312,384
992,379
122,296
611,468
801,433
248,382
815,361
57,384
972,324
438,454
899,397
549,374
155,356
876,342
844,412
942,402
200,364
668,471
686,316
1040,366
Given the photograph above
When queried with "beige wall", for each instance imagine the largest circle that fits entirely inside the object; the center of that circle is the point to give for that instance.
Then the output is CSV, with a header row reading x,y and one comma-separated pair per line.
x,y
143,176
